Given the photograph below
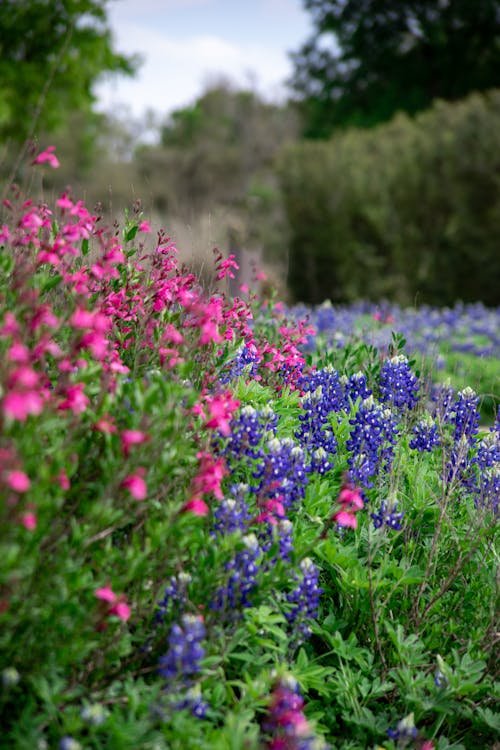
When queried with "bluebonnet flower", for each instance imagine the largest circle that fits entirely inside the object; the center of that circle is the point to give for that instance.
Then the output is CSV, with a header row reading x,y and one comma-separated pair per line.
x,y
425,435
388,515
232,514
282,474
305,599
483,479
243,570
442,401
194,701
280,532
322,395
174,596
185,652
247,432
319,462
244,363
354,387
371,442
405,729
69,743
398,384
466,414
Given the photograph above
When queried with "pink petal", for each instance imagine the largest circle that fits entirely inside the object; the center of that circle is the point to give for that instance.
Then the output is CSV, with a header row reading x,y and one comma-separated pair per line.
x,y
18,481
106,594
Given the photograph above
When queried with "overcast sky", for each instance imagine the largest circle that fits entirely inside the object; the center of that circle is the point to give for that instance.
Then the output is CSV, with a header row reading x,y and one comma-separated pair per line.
x,y
187,43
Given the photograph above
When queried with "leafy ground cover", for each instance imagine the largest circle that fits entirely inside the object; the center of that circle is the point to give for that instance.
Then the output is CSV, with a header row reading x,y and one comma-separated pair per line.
x,y
215,535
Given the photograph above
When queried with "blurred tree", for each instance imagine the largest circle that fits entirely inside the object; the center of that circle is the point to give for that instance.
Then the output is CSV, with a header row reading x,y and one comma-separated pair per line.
x,y
367,59
51,54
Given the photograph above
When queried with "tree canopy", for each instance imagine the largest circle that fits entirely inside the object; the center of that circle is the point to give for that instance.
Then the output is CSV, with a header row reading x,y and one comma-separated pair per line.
x,y
51,54
367,59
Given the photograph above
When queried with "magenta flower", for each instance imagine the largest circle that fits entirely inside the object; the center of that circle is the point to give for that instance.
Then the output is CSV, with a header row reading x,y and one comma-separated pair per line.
x,y
132,437
18,481
47,156
197,506
121,610
106,594
136,485
29,521
351,501
19,404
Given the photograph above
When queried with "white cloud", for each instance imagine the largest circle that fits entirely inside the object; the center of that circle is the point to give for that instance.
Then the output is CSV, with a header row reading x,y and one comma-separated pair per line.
x,y
175,71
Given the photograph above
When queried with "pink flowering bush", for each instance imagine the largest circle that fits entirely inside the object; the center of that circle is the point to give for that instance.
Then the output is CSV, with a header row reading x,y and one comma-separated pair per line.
x,y
202,542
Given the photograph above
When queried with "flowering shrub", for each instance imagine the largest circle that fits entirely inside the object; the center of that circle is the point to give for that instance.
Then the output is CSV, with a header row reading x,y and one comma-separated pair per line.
x,y
207,542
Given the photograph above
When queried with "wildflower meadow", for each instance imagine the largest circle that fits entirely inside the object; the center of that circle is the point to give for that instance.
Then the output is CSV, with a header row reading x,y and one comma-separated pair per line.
x,y
230,524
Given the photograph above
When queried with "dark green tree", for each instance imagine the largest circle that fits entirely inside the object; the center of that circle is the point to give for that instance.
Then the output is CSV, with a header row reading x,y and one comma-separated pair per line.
x,y
367,59
51,54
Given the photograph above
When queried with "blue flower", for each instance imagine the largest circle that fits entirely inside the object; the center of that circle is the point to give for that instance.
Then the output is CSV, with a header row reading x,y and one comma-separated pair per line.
x,y
182,660
398,385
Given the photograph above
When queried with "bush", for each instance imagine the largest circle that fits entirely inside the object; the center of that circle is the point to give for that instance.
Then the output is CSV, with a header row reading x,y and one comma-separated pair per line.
x,y
409,210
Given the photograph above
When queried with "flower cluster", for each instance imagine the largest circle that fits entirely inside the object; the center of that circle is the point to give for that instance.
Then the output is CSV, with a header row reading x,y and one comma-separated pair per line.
x,y
285,725
243,569
398,384
388,515
304,600
322,395
185,650
425,435
371,442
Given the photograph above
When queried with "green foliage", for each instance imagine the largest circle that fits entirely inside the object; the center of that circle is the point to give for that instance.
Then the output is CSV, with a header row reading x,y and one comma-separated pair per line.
x,y
367,60
408,211
51,54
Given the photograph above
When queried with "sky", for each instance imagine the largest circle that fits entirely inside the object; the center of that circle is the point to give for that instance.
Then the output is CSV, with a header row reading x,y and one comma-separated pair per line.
x,y
187,44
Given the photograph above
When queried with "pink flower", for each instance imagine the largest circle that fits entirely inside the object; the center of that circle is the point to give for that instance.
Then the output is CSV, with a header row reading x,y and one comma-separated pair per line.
x,y
18,481
144,226
121,610
18,404
106,424
29,521
220,410
76,400
132,437
118,606
63,480
351,501
47,156
106,594
136,485
196,506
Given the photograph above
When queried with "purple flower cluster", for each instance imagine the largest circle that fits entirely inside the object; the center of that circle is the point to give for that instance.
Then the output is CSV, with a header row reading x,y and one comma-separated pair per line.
x,y
174,596
466,414
304,599
398,384
442,401
354,387
285,725
322,395
388,515
182,660
245,363
282,474
247,432
425,435
243,569
233,513
483,480
371,442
